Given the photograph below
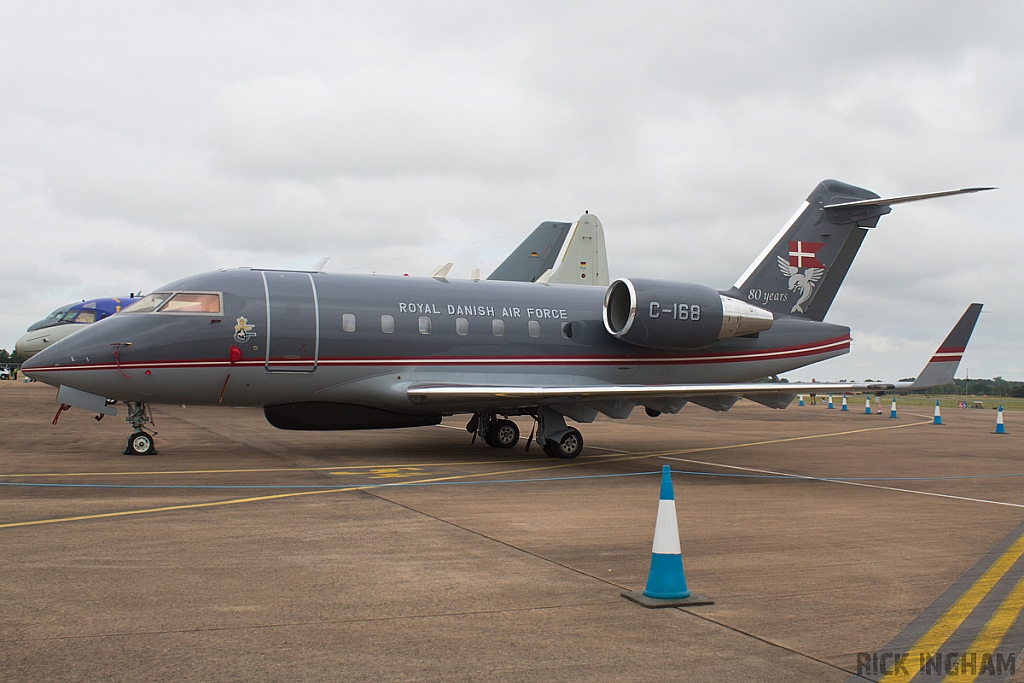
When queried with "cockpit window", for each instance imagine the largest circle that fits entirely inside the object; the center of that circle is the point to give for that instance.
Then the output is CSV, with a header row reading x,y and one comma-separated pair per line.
x,y
199,303
148,303
185,302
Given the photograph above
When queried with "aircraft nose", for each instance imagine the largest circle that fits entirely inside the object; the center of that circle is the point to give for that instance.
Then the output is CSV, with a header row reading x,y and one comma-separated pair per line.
x,y
45,365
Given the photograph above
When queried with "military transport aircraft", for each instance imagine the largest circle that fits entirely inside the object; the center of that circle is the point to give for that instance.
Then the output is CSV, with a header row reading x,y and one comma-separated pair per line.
x,y
320,351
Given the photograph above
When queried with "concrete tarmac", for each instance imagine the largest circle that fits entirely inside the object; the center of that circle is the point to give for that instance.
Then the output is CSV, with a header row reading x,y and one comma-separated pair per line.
x,y
244,553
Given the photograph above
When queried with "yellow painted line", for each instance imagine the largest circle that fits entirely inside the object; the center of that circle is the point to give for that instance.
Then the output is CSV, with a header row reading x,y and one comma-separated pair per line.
x,y
278,496
22,475
950,621
455,477
602,458
991,634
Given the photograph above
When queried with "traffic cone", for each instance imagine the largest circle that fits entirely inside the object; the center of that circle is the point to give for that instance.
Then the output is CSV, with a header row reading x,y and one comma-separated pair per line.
x,y
867,405
830,406
801,400
892,410
666,584
1000,429
844,408
937,420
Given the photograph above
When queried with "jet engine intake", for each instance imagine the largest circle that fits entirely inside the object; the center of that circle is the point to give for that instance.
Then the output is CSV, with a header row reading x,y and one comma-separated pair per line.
x,y
662,314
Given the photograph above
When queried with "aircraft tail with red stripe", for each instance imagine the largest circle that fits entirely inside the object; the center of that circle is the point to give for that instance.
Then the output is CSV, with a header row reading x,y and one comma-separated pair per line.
x,y
943,364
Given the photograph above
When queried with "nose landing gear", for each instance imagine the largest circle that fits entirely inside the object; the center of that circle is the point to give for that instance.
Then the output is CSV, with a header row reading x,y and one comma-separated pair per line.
x,y
140,442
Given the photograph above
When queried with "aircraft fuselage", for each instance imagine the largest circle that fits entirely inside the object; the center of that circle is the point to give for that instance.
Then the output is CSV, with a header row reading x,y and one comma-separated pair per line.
x,y
364,339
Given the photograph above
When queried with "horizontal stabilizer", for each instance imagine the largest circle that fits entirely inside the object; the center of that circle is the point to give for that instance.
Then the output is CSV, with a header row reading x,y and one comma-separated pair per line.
x,y
942,366
889,201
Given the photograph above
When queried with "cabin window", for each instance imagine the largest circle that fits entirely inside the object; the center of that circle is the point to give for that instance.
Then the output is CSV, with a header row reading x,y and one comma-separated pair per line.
x,y
567,330
534,327
184,302
461,327
498,327
387,323
424,323
148,303
348,322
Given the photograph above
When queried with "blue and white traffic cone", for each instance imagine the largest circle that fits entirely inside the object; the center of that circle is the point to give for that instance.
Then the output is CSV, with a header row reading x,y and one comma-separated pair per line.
x,y
892,409
844,408
666,583
801,400
867,405
830,406
1000,429
937,420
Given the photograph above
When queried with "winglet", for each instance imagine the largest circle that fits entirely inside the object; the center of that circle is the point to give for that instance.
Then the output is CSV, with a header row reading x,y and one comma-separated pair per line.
x,y
943,364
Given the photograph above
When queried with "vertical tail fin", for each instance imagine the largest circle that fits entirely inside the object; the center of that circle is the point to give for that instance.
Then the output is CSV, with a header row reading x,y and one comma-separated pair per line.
x,y
535,256
800,271
942,366
585,261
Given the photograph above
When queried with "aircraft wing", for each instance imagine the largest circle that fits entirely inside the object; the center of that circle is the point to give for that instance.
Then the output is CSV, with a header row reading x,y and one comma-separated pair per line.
x,y
638,393
603,397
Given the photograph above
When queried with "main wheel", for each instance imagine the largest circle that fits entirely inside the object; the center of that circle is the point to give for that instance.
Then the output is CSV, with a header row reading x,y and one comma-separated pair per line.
x,y
140,443
504,434
570,445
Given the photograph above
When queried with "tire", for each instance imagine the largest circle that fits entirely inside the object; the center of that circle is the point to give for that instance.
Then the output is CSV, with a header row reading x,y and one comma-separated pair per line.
x,y
140,443
570,445
504,434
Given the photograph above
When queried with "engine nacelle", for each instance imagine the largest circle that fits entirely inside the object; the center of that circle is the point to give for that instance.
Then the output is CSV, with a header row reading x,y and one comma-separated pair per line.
x,y
662,314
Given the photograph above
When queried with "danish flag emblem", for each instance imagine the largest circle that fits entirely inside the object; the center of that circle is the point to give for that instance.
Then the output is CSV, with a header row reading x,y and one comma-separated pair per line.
x,y
802,254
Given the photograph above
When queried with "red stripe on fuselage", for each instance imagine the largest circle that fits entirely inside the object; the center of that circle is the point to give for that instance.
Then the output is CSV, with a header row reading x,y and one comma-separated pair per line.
x,y
803,350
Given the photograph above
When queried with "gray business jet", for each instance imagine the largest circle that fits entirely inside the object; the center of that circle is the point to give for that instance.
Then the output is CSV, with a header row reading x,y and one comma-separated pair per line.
x,y
320,351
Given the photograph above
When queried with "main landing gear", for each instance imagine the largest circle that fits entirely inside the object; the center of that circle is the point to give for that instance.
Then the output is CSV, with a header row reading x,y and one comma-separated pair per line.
x,y
140,442
496,433
568,447
556,438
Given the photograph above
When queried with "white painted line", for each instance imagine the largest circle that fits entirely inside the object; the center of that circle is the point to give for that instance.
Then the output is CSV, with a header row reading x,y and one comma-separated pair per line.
x,y
849,483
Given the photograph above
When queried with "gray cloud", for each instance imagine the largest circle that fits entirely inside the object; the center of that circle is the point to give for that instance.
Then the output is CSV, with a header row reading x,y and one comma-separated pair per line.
x,y
140,144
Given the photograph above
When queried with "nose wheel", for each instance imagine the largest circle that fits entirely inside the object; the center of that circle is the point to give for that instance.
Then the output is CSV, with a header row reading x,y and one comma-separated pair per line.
x,y
140,443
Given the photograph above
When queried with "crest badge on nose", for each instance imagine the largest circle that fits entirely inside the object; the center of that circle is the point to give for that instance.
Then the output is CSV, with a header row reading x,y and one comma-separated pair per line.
x,y
243,330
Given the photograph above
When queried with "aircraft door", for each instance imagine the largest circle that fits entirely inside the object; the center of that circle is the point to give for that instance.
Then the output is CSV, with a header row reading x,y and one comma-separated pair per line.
x,y
293,322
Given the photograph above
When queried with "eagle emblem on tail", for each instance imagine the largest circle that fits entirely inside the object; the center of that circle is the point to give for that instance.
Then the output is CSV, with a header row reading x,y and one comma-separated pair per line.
x,y
800,282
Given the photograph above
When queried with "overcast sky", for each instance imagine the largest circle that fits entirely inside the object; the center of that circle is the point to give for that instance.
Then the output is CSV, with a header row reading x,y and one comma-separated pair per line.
x,y
142,142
